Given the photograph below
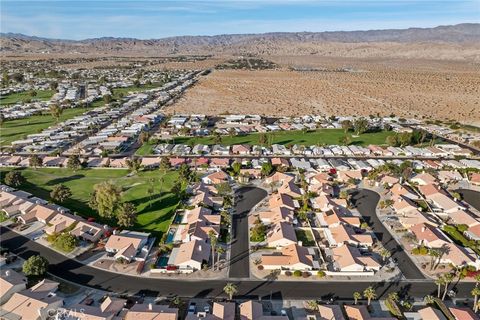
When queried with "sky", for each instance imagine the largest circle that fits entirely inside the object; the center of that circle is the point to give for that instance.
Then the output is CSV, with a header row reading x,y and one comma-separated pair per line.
x,y
152,19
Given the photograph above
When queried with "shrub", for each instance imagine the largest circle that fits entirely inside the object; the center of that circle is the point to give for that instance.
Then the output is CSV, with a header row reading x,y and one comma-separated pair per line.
x,y
288,273
35,266
260,267
321,274
305,274
297,273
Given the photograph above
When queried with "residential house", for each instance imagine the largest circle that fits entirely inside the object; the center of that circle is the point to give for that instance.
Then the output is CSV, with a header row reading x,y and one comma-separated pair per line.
x,y
463,313
429,236
344,234
355,312
10,283
33,303
88,231
61,222
281,234
151,311
127,244
190,255
423,179
281,200
109,309
431,314
252,310
216,178
330,312
291,257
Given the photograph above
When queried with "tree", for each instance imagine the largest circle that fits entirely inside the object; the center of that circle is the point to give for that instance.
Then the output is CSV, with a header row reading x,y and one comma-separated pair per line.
x,y
165,164
223,188
385,254
14,179
213,243
232,132
66,242
440,281
60,193
343,194
434,254
35,161
369,294
346,125
220,251
217,137
230,289
475,293
477,280
35,266
236,167
360,126
312,305
185,172
105,198
448,279
53,85
56,111
107,98
262,139
144,137
2,118
134,164
393,296
428,299
267,168
32,93
345,140
127,215
74,162
356,295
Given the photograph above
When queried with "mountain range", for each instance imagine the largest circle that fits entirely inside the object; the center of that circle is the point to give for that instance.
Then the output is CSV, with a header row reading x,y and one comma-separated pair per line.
x,y
465,35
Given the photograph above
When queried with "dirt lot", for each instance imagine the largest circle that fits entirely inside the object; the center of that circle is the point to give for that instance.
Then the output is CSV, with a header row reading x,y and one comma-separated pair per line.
x,y
410,88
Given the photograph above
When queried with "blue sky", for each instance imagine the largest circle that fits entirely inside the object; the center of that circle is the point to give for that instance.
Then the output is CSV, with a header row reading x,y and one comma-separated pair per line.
x,y
145,19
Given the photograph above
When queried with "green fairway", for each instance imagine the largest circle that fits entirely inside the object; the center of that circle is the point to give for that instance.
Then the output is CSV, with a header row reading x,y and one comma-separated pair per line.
x,y
19,128
317,137
42,95
154,214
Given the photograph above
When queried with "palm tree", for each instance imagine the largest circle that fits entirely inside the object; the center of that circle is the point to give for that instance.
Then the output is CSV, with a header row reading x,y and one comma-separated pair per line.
x,y
429,299
230,289
475,294
220,251
311,305
385,254
393,296
370,294
213,243
448,279
477,280
357,295
434,254
440,281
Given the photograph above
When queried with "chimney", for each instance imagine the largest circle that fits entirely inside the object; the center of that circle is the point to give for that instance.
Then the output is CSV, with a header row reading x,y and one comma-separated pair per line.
x,y
7,273
150,306
200,248
423,229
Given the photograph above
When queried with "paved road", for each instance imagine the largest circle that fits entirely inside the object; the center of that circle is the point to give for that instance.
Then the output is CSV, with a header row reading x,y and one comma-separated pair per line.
x,y
75,271
366,203
239,257
471,197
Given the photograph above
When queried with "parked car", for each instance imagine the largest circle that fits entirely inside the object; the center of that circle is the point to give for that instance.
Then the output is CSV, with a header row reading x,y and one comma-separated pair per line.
x,y
192,308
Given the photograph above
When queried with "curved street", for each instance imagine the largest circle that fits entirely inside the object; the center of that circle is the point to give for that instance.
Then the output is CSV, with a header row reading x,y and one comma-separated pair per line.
x,y
366,203
75,271
248,197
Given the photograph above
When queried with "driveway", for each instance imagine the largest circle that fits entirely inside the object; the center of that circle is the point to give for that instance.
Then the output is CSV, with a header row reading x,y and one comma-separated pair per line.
x,y
366,203
248,197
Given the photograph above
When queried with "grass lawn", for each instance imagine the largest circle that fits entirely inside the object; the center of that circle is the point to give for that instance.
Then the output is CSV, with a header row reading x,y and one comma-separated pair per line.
x,y
42,95
154,215
317,137
459,238
146,148
12,130
305,236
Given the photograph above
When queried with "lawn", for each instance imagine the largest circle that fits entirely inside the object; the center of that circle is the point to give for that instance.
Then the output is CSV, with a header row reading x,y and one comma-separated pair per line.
x,y
305,236
317,137
42,95
12,130
154,214
459,238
